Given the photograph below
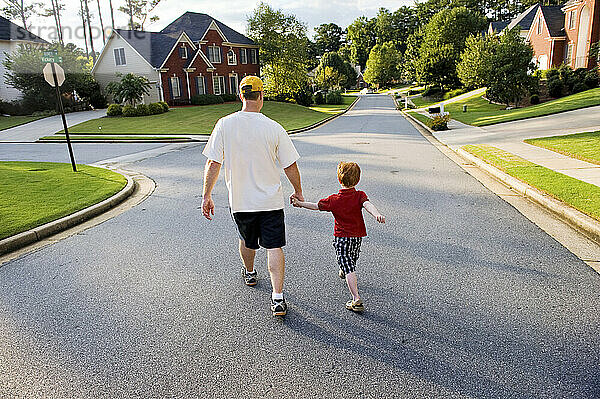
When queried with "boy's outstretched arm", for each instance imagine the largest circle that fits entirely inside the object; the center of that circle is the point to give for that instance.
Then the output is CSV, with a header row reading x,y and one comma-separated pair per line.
x,y
373,211
313,206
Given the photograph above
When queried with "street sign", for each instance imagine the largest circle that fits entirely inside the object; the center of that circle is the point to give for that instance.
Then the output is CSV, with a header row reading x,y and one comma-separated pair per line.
x,y
51,56
60,74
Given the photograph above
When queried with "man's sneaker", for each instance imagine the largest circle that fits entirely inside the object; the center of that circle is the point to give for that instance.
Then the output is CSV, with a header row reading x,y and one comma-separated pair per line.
x,y
278,307
341,274
249,277
355,306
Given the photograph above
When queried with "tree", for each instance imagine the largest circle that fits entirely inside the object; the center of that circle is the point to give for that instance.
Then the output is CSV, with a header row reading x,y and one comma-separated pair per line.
x,y
18,10
410,58
395,27
83,23
283,50
24,72
139,12
328,38
101,22
361,37
511,69
112,14
89,24
473,69
54,12
382,65
333,71
444,39
130,89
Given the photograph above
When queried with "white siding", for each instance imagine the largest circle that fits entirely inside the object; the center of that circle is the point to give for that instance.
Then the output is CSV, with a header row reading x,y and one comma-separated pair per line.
x,y
7,93
106,69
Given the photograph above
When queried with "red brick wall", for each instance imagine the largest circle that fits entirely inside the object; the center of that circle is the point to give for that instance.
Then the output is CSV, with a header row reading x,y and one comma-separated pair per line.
x,y
540,43
176,64
594,32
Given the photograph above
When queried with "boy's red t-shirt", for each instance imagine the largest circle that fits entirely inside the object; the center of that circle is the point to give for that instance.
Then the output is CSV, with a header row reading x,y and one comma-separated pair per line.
x,y
346,207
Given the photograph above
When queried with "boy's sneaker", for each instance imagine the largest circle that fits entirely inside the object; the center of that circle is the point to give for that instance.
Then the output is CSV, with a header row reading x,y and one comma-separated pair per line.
x,y
249,277
355,306
341,274
278,307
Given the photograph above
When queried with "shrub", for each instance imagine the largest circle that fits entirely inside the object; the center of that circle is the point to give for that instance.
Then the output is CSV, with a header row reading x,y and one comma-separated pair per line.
x,y
535,99
555,87
552,73
303,97
155,109
319,99
129,110
439,123
334,98
114,110
413,92
579,87
431,90
229,97
164,105
454,93
591,79
206,99
142,110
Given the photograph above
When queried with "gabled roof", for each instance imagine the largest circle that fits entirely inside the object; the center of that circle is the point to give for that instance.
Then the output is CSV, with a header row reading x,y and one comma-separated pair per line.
x,y
498,26
525,19
154,47
555,20
11,31
195,25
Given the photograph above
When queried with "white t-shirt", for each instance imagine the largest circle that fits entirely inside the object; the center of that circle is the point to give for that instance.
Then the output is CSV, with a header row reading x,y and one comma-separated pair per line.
x,y
253,150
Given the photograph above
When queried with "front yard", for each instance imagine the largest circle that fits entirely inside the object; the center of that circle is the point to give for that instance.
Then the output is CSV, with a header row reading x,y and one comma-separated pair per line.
x,y
584,146
481,113
202,119
7,122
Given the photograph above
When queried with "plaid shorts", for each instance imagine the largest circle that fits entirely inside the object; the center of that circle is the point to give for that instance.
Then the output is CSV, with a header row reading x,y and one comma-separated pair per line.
x,y
347,250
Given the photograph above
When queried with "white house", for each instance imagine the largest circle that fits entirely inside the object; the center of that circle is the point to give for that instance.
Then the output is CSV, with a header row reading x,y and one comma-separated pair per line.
x,y
11,36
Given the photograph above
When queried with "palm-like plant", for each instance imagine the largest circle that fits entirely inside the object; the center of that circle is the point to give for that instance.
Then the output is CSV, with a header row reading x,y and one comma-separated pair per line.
x,y
130,89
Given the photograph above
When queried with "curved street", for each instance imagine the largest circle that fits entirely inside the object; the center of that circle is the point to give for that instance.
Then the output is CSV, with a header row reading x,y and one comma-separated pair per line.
x,y
465,297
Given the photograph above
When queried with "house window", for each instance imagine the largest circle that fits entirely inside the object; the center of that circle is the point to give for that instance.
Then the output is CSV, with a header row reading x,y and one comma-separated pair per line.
x,y
183,52
219,85
200,88
214,54
569,54
253,56
572,15
539,27
243,56
175,88
120,57
231,58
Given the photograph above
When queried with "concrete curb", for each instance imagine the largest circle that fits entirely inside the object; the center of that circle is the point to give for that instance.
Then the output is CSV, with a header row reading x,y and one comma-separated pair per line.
x,y
124,141
324,121
39,233
577,219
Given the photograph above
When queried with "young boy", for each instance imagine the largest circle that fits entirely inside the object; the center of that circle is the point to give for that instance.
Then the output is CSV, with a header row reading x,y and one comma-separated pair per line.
x,y
349,230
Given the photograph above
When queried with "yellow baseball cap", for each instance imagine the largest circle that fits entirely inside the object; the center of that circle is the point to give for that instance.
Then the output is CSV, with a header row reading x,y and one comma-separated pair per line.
x,y
251,83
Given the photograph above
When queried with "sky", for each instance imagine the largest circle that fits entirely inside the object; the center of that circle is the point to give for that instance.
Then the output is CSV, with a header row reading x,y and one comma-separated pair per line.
x,y
231,12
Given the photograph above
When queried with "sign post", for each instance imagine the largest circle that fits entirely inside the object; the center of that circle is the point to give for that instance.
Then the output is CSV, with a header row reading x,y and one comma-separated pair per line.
x,y
55,76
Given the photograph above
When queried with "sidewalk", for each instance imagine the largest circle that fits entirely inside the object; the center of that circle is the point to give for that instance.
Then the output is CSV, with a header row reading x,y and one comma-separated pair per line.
x,y
30,132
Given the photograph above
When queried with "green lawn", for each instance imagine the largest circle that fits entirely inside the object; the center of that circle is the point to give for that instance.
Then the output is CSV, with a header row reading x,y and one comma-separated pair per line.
x,y
421,117
578,194
584,146
421,102
102,137
34,193
202,119
12,121
481,113
334,109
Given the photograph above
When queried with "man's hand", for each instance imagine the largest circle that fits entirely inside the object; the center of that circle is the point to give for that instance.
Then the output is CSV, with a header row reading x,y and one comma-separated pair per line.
x,y
297,197
380,218
208,207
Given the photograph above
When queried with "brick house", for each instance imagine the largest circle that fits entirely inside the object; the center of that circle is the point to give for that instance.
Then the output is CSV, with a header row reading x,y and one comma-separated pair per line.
x,y
195,54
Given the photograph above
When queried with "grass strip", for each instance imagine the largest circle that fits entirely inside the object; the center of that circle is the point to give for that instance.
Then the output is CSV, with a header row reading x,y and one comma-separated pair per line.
x,y
332,109
576,193
420,117
481,113
35,193
422,102
202,119
7,122
108,138
584,146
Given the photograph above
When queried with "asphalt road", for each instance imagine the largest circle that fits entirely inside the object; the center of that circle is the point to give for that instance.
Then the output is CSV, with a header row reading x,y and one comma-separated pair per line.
x,y
465,297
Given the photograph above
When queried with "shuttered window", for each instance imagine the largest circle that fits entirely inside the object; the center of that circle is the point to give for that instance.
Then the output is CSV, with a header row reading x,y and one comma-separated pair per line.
x,y
175,87
243,56
214,54
200,88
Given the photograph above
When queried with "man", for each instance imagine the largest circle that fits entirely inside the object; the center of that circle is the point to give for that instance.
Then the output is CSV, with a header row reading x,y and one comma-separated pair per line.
x,y
252,150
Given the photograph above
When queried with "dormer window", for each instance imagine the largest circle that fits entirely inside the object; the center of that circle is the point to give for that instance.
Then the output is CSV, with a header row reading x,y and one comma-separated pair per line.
x,y
231,58
183,52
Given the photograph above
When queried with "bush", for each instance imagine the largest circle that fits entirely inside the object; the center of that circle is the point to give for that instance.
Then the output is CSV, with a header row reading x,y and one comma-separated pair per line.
x,y
114,110
334,98
47,112
129,110
555,87
439,123
155,109
591,80
414,92
431,90
206,99
454,93
535,99
229,97
142,110
165,106
303,97
579,87
552,73
319,99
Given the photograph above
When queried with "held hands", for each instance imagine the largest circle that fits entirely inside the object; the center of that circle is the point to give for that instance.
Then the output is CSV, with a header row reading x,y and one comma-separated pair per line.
x,y
208,207
380,218
296,198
